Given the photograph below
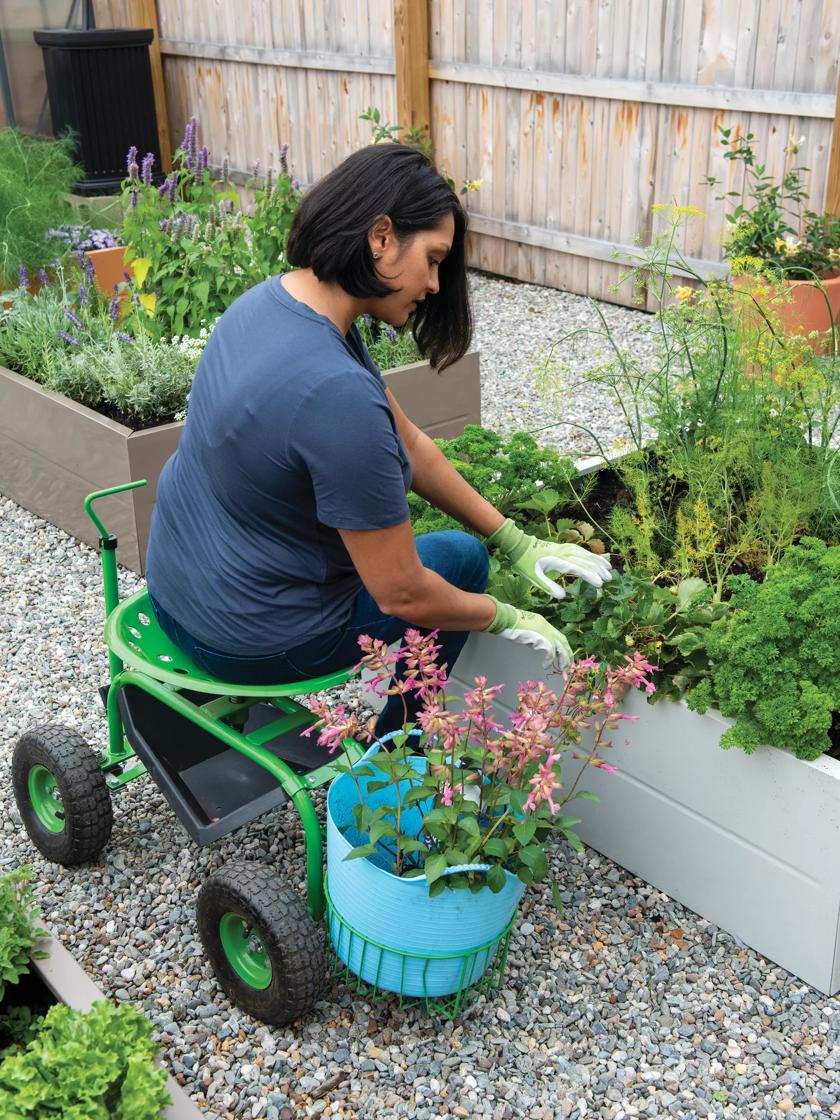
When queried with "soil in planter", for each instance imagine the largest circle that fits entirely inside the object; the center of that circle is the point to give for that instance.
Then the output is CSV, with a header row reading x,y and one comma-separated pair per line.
x,y
29,994
834,735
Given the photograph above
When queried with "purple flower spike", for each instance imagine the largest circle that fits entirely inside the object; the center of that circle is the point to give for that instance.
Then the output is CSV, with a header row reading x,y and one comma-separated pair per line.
x,y
128,279
84,295
295,184
72,317
284,165
165,223
172,186
193,139
163,188
23,277
135,194
185,143
69,338
122,336
114,308
146,171
42,276
131,158
203,160
390,334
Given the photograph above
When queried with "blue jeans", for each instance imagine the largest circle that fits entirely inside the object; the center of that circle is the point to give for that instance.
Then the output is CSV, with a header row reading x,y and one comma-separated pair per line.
x,y
457,557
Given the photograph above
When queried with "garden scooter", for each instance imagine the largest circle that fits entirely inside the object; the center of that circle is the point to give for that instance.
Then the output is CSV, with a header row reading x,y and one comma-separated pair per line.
x,y
222,754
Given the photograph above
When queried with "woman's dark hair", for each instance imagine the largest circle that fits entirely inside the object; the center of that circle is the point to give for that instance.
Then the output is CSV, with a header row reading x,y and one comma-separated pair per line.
x,y
329,234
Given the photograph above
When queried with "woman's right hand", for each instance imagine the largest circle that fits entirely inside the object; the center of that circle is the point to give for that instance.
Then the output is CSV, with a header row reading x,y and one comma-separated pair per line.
x,y
530,629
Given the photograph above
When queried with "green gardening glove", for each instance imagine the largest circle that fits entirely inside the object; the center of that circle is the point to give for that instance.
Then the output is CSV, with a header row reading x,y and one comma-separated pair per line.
x,y
530,629
534,559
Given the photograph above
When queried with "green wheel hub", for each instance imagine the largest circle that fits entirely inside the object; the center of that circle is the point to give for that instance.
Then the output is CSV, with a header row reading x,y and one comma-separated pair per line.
x,y
245,951
45,798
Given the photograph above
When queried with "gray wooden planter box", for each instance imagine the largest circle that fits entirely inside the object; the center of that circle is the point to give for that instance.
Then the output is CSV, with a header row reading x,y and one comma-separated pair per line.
x,y
749,842
53,452
71,985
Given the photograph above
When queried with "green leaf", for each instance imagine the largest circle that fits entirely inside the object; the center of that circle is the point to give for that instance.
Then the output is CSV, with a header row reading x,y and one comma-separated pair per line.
x,y
524,831
688,590
361,852
435,866
496,847
496,878
587,796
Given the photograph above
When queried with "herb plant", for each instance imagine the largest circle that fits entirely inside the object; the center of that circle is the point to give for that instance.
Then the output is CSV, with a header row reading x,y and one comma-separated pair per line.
x,y
773,224
745,417
666,625
34,177
388,348
98,1065
775,656
513,474
71,340
195,249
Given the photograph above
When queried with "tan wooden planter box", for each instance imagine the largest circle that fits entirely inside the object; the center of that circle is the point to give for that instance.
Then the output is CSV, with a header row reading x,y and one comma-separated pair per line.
x,y
71,985
53,452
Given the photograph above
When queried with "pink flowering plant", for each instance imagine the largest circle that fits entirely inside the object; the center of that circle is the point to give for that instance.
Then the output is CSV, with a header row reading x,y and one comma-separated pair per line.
x,y
482,793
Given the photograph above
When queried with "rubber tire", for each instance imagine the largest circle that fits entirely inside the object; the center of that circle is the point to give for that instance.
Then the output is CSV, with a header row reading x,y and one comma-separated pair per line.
x,y
294,943
88,818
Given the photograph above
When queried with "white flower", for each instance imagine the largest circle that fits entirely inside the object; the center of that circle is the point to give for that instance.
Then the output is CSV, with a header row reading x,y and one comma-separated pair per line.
x,y
538,483
495,476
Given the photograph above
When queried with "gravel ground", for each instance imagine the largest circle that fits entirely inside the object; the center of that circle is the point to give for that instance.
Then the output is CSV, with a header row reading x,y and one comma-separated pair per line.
x,y
626,1005
519,328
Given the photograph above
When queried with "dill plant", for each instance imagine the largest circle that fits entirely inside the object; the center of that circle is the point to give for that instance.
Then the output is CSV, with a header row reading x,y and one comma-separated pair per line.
x,y
35,175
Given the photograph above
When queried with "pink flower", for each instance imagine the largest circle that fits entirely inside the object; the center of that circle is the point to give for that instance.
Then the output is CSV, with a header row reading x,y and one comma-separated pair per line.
x,y
544,784
448,794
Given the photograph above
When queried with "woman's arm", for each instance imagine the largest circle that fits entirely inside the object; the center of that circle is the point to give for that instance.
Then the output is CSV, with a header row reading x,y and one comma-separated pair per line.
x,y
391,570
436,480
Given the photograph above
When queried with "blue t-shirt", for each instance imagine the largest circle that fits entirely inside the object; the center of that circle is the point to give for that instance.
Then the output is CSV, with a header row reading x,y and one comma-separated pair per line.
x,y
289,437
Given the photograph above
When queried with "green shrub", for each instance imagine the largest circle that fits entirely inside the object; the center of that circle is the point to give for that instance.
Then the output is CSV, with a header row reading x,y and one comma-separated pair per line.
x,y
34,177
19,930
775,656
97,1065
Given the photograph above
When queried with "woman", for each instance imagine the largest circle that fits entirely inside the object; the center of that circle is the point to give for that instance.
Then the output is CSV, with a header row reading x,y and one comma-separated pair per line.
x,y
281,530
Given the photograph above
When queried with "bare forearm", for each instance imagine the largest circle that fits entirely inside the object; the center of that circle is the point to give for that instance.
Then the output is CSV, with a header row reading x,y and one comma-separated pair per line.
x,y
436,480
434,603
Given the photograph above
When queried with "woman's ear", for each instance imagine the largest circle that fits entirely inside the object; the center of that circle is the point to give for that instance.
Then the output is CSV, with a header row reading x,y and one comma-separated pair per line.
x,y
381,235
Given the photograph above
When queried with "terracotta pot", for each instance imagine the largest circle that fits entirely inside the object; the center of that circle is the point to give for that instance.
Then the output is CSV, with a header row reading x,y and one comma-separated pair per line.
x,y
109,268
33,287
809,309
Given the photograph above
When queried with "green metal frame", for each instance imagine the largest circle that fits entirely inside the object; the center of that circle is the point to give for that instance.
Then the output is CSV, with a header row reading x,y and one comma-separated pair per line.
x,y
139,654
491,958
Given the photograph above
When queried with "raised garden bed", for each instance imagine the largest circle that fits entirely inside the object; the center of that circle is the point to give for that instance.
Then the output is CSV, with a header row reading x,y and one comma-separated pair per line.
x,y
53,452
749,842
58,978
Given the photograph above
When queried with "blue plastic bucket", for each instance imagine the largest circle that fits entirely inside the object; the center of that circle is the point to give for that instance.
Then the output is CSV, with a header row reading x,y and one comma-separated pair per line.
x,y
406,941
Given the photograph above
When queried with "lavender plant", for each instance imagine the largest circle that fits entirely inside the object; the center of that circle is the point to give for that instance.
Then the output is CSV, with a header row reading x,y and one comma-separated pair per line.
x,y
74,341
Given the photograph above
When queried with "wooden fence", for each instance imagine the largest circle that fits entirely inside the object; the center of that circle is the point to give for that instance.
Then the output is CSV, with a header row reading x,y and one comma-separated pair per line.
x,y
578,115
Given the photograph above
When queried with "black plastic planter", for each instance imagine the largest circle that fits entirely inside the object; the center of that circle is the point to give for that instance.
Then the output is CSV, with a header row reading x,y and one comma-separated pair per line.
x,y
99,83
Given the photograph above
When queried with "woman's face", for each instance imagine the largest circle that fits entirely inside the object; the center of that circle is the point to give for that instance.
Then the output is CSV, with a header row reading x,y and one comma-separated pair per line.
x,y
410,267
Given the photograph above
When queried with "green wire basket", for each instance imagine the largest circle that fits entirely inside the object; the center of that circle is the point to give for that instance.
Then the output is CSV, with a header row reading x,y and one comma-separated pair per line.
x,y
489,959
